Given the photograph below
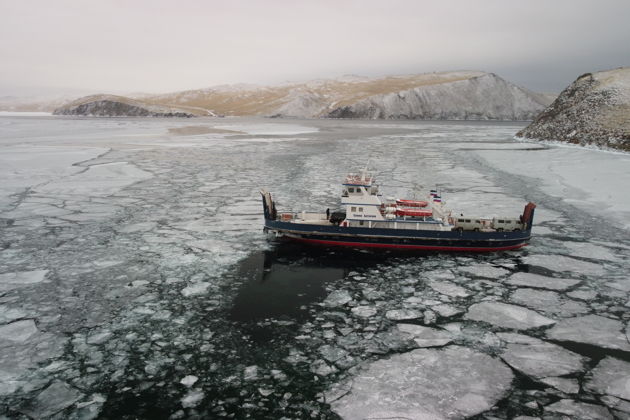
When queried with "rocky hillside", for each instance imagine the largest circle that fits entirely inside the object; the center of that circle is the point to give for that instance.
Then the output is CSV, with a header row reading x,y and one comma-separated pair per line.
x,y
462,95
446,95
481,97
593,110
118,106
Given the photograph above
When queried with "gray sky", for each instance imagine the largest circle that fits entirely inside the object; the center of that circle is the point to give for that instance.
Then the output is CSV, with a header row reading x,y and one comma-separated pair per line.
x,y
159,46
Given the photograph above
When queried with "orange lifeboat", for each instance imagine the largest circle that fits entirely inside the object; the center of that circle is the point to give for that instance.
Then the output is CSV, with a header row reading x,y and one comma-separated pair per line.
x,y
414,212
412,203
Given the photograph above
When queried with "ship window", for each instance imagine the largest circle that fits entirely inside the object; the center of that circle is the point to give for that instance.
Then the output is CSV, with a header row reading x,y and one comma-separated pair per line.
x,y
351,189
501,221
460,220
467,220
353,209
361,222
361,209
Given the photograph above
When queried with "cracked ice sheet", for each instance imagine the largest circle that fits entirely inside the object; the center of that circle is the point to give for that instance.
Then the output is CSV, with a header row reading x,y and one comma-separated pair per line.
x,y
103,179
23,167
600,190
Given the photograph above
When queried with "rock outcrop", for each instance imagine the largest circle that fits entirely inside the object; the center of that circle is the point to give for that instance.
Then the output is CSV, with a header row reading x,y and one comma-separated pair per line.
x,y
593,110
117,106
483,97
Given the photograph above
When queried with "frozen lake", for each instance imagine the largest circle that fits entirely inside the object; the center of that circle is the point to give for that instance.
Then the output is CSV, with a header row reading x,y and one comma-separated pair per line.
x,y
136,281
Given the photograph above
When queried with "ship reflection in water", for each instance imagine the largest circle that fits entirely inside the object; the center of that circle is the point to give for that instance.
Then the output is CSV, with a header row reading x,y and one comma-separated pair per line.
x,y
281,283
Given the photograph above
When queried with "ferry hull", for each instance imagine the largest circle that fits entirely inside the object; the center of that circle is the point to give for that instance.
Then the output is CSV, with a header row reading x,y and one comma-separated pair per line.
x,y
400,239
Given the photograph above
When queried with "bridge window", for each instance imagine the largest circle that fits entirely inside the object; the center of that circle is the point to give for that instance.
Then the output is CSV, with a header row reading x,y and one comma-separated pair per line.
x,y
353,209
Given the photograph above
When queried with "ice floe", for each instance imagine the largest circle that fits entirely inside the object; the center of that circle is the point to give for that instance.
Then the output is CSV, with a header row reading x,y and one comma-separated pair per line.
x,y
595,330
611,376
402,314
192,398
485,271
426,336
15,280
454,382
540,282
548,302
57,396
566,385
507,316
538,359
18,331
337,298
560,263
578,410
449,289
189,380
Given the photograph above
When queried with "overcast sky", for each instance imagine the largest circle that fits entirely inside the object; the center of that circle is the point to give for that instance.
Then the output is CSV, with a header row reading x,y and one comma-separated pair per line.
x,y
158,46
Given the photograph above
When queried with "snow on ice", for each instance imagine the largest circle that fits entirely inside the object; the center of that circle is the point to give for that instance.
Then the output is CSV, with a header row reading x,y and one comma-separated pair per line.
x,y
595,330
507,316
426,383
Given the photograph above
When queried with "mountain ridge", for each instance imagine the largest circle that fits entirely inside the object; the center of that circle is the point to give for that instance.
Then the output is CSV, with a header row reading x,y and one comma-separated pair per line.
x,y
463,95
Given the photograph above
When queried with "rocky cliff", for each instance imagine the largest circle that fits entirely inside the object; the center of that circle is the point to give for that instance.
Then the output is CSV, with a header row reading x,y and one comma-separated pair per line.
x,y
117,106
593,110
482,97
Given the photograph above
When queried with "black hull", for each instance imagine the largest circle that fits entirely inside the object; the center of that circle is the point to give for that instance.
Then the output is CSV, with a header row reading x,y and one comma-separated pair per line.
x,y
422,240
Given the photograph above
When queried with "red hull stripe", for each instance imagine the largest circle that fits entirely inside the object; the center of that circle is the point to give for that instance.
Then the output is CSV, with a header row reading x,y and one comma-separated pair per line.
x,y
409,247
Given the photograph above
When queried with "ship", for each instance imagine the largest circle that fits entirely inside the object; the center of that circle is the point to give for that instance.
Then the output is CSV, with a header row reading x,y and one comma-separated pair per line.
x,y
368,220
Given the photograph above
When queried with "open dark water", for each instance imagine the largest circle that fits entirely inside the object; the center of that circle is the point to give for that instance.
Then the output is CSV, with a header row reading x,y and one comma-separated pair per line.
x,y
136,281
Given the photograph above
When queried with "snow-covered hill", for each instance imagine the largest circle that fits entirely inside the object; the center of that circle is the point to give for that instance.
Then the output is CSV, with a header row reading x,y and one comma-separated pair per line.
x,y
593,110
444,95
458,95
482,97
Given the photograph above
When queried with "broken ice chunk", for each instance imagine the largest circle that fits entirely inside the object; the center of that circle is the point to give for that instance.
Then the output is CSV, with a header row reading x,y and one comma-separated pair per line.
x,y
485,271
250,373
547,301
337,298
578,410
566,385
18,331
8,314
455,382
188,380
539,359
611,376
562,263
591,329
507,316
449,289
540,282
195,289
425,336
447,311
364,311
10,281
57,396
321,368
192,398
402,314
